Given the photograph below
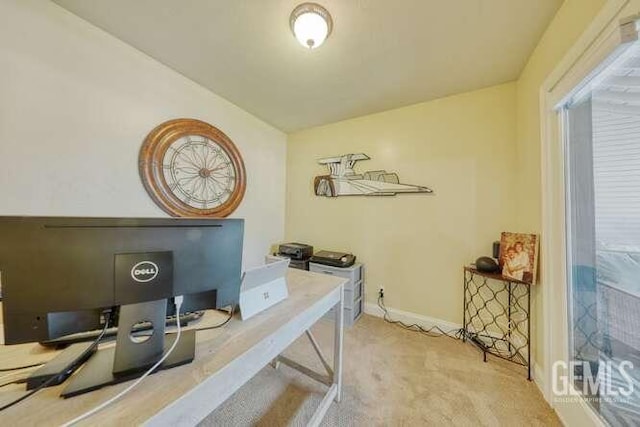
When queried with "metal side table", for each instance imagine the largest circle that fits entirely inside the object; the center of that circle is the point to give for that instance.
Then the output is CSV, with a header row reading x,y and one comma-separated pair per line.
x,y
497,316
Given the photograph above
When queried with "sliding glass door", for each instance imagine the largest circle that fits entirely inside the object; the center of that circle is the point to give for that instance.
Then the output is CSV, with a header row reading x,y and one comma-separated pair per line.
x,y
602,172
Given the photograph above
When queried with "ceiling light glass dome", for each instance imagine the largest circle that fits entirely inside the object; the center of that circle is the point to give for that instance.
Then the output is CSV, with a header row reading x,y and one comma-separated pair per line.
x,y
311,24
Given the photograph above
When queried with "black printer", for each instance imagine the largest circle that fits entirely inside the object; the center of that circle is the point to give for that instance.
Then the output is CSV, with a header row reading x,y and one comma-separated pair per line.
x,y
298,253
334,259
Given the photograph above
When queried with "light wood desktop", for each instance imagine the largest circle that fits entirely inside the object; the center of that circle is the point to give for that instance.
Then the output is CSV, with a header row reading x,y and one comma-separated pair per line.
x,y
226,358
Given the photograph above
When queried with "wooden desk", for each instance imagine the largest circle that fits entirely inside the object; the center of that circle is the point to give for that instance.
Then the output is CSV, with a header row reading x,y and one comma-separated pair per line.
x,y
226,358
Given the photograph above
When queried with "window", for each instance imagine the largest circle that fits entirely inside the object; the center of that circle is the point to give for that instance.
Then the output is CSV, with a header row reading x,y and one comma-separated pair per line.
x,y
602,172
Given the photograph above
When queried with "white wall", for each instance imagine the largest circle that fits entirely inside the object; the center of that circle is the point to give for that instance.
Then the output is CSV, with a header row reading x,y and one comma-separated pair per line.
x,y
75,106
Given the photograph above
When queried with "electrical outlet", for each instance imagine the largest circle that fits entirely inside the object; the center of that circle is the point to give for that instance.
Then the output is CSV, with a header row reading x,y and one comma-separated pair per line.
x,y
381,292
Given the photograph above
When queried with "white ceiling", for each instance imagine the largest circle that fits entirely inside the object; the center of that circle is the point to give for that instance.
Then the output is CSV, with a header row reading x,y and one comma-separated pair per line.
x,y
382,54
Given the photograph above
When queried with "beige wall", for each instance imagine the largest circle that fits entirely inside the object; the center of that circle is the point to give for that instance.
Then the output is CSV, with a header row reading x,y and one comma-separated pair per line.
x,y
414,245
569,23
75,106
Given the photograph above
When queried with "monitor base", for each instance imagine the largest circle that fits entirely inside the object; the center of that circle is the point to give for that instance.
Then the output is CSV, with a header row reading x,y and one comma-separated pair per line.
x,y
70,359
98,371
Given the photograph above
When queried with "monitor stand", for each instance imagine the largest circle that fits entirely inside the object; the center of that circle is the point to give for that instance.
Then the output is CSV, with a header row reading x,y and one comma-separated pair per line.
x,y
133,354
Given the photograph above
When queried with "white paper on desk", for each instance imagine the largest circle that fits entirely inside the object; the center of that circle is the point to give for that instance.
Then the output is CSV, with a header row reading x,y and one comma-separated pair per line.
x,y
263,287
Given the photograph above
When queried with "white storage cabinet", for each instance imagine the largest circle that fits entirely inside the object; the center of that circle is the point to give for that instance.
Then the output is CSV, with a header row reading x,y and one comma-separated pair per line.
x,y
353,289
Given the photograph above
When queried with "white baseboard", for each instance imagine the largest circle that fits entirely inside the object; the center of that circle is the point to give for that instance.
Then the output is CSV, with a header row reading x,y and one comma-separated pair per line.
x,y
410,318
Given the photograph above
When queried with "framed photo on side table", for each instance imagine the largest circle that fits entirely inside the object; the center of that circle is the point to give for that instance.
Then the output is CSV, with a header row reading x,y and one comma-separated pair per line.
x,y
519,256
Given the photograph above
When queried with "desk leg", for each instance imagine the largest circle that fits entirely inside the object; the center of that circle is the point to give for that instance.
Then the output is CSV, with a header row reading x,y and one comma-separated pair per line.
x,y
275,363
337,346
335,389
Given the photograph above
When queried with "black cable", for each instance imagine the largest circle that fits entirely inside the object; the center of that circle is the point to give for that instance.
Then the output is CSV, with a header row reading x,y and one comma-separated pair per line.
x,y
233,308
20,381
66,368
455,334
20,367
145,333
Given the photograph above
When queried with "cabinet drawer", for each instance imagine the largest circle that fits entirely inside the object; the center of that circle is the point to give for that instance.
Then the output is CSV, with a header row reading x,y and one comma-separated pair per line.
x,y
357,290
353,273
325,269
357,311
352,295
348,298
350,314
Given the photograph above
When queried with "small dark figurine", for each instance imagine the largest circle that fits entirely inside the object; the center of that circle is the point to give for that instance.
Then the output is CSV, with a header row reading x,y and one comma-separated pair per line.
x,y
487,265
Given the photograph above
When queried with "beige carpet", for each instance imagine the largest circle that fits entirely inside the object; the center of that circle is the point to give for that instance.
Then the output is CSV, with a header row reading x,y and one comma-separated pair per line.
x,y
391,377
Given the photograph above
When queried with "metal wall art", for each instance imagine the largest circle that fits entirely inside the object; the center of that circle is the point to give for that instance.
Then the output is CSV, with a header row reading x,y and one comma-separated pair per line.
x,y
344,181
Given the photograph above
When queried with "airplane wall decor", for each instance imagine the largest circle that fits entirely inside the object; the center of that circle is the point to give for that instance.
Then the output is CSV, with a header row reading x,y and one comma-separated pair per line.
x,y
344,181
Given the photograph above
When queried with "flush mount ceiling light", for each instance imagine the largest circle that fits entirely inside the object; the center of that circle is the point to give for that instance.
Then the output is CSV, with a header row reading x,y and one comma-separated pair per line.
x,y
311,24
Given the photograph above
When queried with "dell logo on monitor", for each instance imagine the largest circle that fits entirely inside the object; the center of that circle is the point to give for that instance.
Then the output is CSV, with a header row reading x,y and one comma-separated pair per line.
x,y
144,271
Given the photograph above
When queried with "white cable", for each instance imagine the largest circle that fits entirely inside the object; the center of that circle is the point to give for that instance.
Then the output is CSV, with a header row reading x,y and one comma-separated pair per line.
x,y
178,304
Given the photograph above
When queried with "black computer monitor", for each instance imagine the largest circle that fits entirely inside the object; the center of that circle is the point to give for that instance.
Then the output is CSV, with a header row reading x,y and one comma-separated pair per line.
x,y
59,274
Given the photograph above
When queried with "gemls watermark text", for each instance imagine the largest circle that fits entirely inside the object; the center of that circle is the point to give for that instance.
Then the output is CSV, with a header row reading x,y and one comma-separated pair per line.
x,y
592,381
